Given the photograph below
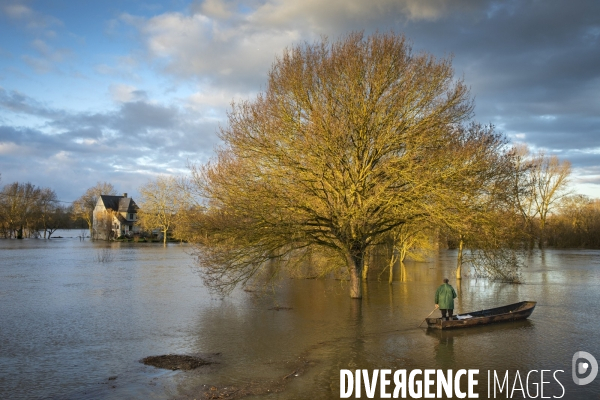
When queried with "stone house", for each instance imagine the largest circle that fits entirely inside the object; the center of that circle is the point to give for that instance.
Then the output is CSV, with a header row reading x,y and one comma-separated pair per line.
x,y
114,216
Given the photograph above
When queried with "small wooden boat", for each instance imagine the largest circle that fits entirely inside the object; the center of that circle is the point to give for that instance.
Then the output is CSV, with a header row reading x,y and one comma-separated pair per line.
x,y
511,312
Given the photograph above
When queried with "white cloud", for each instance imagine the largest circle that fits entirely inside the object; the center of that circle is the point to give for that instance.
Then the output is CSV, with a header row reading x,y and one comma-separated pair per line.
x,y
175,34
236,55
44,57
10,148
124,93
336,15
217,9
211,98
62,157
29,18
49,53
233,44
125,67
40,65
17,11
210,51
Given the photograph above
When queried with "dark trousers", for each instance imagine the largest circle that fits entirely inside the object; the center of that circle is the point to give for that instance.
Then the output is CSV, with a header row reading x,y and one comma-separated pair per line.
x,y
444,313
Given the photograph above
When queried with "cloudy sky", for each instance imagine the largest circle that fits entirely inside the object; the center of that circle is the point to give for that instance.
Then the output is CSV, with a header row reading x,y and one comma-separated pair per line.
x,y
124,90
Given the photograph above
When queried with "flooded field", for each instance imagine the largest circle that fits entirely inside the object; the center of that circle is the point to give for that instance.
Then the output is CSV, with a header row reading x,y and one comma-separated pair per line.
x,y
78,316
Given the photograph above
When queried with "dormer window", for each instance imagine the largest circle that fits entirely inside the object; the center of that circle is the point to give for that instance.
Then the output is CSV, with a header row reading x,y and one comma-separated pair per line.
x,y
130,215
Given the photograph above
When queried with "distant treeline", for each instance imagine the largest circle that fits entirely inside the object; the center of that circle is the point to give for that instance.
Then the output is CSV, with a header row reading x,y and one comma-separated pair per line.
x,y
576,224
30,211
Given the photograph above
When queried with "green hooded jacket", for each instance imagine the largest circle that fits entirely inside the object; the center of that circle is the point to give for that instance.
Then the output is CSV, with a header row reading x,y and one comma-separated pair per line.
x,y
444,297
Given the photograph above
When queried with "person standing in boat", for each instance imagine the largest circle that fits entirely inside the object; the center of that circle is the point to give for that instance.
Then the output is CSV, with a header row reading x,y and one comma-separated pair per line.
x,y
444,299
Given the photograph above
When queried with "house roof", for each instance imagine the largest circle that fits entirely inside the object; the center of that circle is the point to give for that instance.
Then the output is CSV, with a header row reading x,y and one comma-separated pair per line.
x,y
119,203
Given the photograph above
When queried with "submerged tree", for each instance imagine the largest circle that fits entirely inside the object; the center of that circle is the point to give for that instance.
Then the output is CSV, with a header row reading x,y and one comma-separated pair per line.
x,y
350,140
49,211
27,210
492,248
540,183
58,217
163,202
18,208
523,191
84,206
413,239
477,214
551,185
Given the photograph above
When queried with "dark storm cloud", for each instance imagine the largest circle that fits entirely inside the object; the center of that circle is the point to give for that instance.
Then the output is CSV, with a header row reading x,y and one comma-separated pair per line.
x,y
534,67
563,132
138,120
526,61
146,126
31,141
125,145
20,103
139,116
587,161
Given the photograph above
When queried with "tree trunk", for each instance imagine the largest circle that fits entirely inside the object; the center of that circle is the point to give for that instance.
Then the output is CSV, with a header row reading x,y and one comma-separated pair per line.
x,y
365,270
90,222
394,257
529,229
165,238
402,272
459,260
355,266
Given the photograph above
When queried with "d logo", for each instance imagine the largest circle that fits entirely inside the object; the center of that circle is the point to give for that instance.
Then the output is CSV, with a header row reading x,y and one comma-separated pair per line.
x,y
582,367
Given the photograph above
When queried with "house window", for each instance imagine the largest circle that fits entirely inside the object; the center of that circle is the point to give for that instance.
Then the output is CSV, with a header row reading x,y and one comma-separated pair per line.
x,y
131,216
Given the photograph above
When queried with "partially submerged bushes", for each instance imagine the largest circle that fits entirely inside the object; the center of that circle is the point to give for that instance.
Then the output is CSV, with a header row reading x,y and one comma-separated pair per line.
x,y
500,265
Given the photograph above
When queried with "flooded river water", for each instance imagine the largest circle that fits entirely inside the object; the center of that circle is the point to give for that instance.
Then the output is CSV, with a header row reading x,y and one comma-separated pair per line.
x,y
77,317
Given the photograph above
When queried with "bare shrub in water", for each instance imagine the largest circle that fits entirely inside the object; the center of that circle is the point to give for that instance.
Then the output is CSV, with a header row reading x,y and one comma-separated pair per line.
x,y
105,256
501,265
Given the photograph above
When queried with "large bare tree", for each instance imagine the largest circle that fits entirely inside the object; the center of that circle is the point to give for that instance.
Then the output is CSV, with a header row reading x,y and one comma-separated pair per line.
x,y
18,208
551,177
523,185
540,183
26,210
350,139
48,206
163,202
84,206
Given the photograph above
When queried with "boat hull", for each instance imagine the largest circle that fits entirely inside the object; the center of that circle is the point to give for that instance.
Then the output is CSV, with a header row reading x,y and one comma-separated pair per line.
x,y
511,312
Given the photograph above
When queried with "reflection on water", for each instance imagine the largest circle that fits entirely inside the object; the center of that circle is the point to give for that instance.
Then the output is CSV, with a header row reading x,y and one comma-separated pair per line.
x,y
74,325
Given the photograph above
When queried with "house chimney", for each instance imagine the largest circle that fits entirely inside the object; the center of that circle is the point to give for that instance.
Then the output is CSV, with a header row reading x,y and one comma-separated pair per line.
x,y
125,195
